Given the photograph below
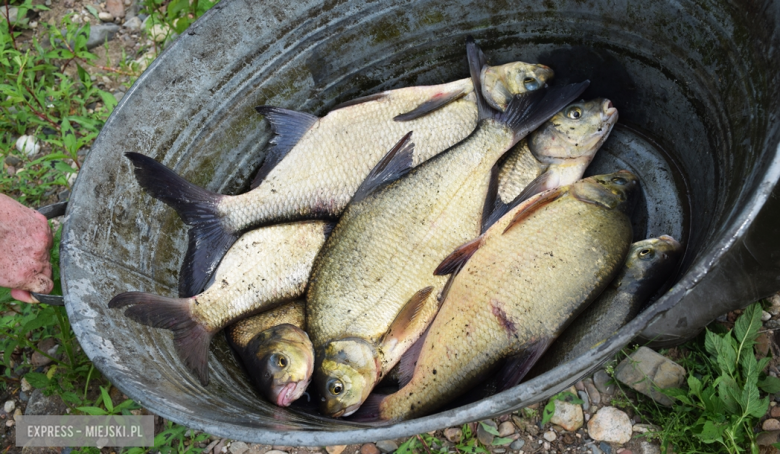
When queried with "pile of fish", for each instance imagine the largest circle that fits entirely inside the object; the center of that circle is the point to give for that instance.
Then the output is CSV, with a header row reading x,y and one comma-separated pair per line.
x,y
457,253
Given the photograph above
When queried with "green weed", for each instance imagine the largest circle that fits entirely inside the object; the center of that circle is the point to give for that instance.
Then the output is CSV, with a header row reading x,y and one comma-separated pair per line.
x,y
722,404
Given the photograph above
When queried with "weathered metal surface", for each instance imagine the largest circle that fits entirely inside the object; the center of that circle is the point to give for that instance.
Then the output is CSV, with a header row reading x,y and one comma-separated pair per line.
x,y
695,81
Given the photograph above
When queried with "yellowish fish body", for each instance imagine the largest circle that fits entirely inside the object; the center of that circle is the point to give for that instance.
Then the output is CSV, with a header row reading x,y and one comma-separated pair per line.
x,y
517,291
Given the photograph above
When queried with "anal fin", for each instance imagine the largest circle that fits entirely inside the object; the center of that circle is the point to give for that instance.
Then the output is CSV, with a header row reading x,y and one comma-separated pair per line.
x,y
396,163
437,101
517,366
289,126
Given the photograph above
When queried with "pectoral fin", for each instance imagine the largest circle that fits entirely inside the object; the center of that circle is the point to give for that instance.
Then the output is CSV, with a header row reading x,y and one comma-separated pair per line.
x,y
436,102
531,205
458,258
289,126
517,366
408,326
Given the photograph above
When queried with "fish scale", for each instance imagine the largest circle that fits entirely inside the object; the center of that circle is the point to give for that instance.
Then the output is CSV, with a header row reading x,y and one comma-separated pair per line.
x,y
398,258
267,266
521,286
241,332
323,183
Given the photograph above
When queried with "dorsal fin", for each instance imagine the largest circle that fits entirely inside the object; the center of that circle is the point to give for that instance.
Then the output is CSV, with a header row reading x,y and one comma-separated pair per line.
x,y
396,163
434,103
477,61
534,204
458,258
361,100
289,126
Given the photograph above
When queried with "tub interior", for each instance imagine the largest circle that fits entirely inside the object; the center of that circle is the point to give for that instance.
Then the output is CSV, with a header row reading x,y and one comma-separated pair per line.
x,y
690,81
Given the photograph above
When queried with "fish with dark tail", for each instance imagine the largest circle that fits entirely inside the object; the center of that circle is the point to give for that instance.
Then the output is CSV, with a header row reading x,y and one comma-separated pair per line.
x,y
264,268
315,165
276,352
513,291
372,291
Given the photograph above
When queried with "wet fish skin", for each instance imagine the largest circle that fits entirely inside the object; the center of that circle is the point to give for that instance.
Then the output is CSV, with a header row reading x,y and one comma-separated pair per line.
x,y
265,268
276,352
562,247
648,265
379,259
324,161
562,148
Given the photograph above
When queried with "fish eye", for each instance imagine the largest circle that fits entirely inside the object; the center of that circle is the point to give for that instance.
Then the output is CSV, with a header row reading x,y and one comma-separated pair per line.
x,y
530,83
336,387
281,361
574,112
646,254
619,181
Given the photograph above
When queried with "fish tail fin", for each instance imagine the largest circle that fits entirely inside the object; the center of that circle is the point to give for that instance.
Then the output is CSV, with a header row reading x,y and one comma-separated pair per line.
x,y
209,240
527,111
190,338
370,410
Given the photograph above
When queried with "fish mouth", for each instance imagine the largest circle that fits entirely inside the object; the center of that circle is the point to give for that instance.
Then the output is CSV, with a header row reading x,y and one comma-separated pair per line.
x,y
290,393
608,109
671,241
349,410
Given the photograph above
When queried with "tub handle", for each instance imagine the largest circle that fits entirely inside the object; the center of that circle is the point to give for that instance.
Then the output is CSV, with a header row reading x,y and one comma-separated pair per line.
x,y
51,211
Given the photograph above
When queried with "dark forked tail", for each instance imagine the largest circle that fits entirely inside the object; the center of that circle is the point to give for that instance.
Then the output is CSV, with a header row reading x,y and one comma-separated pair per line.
x,y
209,240
190,338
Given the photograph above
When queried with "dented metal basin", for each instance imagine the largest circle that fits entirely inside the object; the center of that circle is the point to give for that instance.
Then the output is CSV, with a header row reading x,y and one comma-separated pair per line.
x,y
696,84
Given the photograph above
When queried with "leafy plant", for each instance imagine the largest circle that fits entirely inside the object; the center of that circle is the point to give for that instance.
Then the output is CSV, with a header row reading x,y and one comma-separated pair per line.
x,y
723,404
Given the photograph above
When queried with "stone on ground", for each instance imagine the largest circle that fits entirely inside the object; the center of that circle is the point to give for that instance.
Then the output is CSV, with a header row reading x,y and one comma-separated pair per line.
x,y
485,437
601,379
645,370
369,448
238,447
610,425
115,7
549,435
100,33
506,429
335,449
386,446
771,424
453,434
568,415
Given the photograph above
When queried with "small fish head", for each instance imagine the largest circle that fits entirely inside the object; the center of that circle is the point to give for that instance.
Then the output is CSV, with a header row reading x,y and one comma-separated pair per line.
x,y
577,131
501,83
280,361
345,373
653,258
618,190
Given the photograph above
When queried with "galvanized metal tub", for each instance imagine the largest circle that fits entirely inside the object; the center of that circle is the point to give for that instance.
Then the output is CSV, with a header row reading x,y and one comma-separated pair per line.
x,y
695,82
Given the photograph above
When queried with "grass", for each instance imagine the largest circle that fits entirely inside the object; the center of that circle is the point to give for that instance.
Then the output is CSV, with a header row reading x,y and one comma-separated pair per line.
x,y
47,93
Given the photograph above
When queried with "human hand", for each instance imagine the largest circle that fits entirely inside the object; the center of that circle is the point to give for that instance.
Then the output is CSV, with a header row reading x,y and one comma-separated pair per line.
x,y
25,240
